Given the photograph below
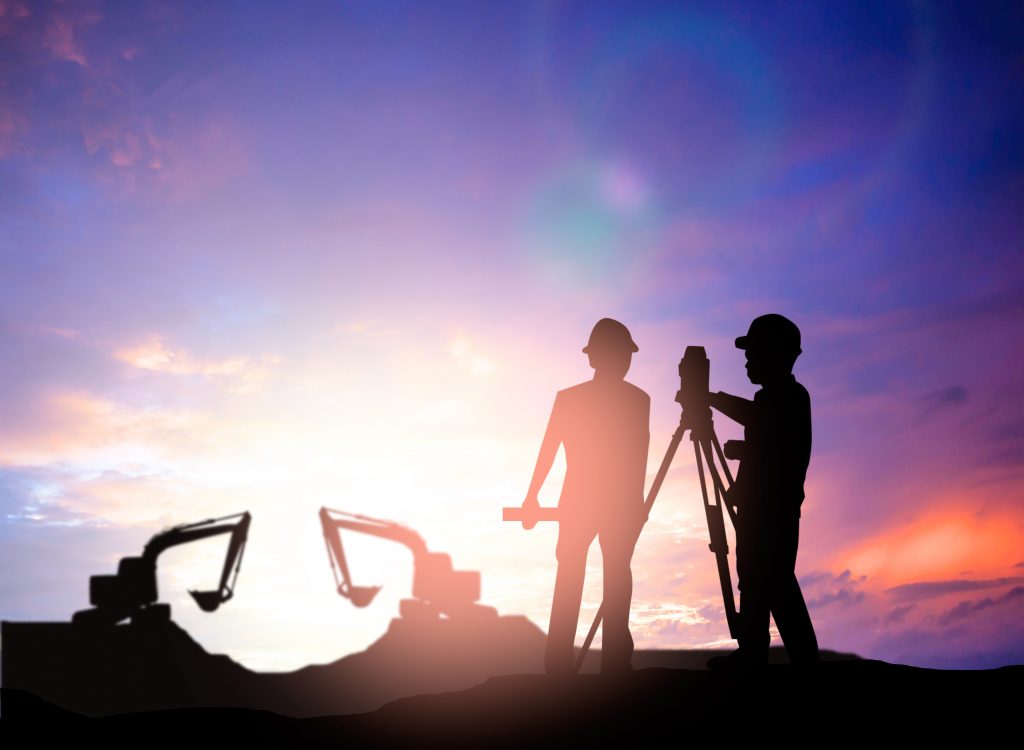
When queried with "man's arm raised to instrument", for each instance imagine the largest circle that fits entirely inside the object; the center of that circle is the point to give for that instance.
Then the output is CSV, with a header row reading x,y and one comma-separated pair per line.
x,y
548,451
736,408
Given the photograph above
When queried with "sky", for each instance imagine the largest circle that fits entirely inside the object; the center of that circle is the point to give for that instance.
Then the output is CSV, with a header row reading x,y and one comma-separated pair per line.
x,y
272,257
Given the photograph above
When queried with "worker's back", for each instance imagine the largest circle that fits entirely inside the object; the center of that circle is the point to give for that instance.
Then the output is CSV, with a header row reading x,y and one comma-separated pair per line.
x,y
603,425
779,442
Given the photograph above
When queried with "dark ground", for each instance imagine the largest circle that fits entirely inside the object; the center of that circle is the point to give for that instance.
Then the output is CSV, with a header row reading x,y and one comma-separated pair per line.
x,y
425,685
839,702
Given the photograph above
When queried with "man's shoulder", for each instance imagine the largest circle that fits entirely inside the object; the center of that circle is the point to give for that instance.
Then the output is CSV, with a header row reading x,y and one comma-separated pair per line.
x,y
790,391
575,396
591,389
574,391
637,394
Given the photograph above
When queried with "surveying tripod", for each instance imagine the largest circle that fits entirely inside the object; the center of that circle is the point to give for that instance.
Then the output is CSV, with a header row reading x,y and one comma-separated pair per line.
x,y
694,377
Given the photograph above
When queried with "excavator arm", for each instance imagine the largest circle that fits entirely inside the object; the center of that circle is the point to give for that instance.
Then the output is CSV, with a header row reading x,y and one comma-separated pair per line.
x,y
208,601
436,586
133,589
333,521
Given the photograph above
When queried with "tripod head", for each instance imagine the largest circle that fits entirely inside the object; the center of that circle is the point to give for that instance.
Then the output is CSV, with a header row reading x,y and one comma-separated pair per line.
x,y
692,396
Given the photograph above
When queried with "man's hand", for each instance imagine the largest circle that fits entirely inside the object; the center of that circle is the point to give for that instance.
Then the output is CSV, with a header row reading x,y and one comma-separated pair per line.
x,y
734,496
735,449
737,409
531,509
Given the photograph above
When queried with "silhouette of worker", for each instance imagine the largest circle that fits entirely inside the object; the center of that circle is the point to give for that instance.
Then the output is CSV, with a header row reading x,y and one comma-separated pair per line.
x,y
604,426
768,493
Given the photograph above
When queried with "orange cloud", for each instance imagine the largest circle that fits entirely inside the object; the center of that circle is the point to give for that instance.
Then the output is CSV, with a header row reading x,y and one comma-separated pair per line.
x,y
78,427
152,354
241,374
945,543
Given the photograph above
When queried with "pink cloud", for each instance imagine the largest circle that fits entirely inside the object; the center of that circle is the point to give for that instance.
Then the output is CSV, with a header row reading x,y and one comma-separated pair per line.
x,y
182,160
12,11
64,333
125,144
62,33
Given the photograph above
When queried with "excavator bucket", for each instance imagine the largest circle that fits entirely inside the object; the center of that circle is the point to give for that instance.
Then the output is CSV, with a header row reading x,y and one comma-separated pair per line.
x,y
208,601
361,596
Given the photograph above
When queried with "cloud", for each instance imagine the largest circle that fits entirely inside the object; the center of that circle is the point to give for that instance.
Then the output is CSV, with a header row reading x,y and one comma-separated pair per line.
x,y
674,625
953,648
153,354
62,35
124,499
898,614
12,12
842,589
966,609
927,589
78,427
816,577
964,529
125,144
64,333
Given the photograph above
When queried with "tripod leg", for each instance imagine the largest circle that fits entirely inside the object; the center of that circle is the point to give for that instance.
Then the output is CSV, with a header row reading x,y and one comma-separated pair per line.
x,y
666,463
588,640
721,457
716,478
716,528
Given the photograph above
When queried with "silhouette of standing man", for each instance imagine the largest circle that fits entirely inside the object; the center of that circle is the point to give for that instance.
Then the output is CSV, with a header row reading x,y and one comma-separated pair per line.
x,y
604,426
768,492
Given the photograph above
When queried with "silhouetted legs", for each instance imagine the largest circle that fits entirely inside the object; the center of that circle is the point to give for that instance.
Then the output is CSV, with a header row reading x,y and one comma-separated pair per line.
x,y
765,565
571,553
617,642
617,552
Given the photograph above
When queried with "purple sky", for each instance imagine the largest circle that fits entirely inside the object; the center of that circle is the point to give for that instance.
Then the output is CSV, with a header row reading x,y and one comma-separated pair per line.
x,y
276,256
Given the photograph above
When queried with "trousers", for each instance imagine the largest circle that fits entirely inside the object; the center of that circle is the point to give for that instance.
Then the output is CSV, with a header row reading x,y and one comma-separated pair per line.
x,y
617,544
766,568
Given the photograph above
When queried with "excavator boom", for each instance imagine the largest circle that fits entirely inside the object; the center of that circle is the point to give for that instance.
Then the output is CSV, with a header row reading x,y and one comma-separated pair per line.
x,y
436,587
132,591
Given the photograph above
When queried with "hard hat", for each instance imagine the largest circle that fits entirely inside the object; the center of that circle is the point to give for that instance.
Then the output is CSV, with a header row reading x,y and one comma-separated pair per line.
x,y
610,334
771,331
